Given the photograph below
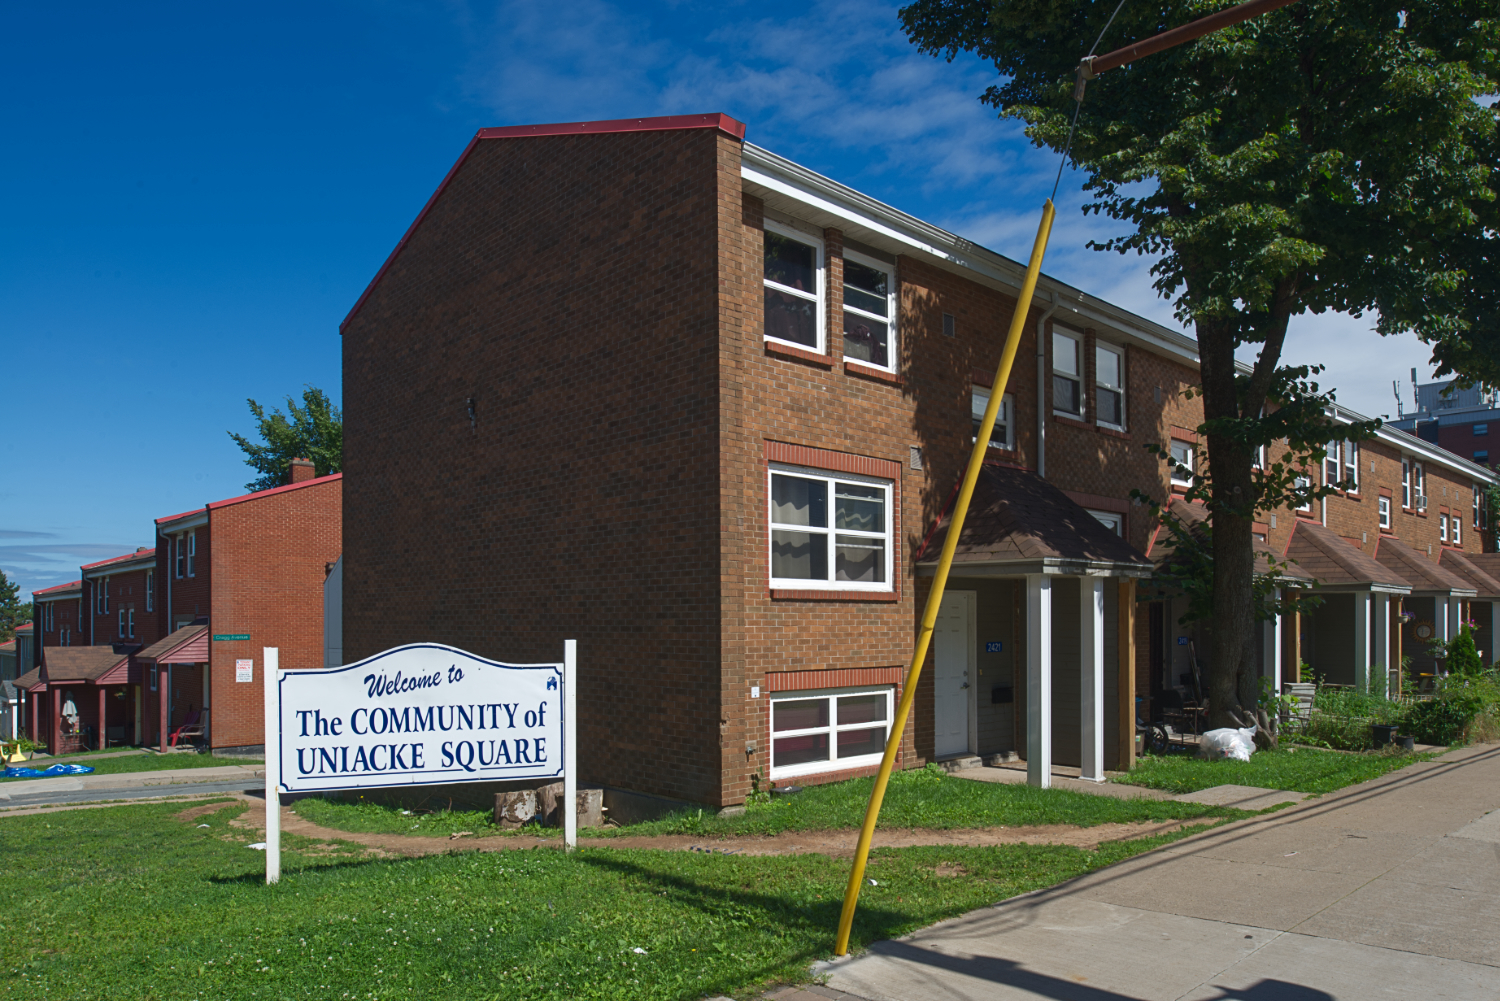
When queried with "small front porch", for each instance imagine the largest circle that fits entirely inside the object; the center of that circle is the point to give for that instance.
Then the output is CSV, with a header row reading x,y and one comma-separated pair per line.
x,y
1033,645
175,678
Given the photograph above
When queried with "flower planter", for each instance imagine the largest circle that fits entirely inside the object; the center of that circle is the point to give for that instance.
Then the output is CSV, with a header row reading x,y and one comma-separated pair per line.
x,y
1381,734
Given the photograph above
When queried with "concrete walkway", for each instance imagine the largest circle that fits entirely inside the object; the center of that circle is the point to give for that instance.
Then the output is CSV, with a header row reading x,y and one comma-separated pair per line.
x,y
166,782
1385,890
1063,777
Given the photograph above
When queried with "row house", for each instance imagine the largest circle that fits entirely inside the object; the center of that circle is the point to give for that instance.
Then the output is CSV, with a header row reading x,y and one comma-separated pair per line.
x,y
647,385
165,637
644,384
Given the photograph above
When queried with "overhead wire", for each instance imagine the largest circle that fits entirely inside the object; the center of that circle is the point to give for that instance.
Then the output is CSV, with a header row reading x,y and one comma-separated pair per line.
x,y
1078,102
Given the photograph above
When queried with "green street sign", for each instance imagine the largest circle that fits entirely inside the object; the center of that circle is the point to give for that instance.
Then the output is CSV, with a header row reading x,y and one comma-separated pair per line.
x,y
220,637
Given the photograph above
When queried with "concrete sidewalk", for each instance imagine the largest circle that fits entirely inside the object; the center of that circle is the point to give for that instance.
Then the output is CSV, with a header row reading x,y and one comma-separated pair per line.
x,y
21,792
1388,889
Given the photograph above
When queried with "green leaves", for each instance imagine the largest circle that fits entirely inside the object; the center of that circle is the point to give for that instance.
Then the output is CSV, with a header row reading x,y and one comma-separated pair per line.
x,y
313,431
13,611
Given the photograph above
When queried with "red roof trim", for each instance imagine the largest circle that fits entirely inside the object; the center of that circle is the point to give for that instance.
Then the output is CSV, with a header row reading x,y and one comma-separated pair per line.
x,y
143,554
669,123
58,587
214,506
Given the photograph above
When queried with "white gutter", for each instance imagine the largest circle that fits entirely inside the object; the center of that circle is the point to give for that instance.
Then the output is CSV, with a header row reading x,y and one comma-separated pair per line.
x,y
1041,388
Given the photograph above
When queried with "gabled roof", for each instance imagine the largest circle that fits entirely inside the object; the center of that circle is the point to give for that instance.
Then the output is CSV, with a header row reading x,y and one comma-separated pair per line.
x,y
670,123
1195,518
25,627
1337,562
83,664
1424,575
242,498
9,646
1488,562
1017,518
59,590
190,644
32,681
142,553
1462,565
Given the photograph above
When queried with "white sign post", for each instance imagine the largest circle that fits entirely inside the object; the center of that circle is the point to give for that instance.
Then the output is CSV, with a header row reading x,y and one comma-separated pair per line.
x,y
421,714
272,668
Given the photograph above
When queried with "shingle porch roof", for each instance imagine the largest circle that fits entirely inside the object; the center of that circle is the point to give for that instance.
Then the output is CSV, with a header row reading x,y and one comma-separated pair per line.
x,y
1335,561
1195,517
83,665
1424,575
1019,520
188,645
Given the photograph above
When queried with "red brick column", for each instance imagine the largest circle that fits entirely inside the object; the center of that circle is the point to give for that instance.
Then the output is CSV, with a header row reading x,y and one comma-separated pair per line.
x,y
99,736
55,744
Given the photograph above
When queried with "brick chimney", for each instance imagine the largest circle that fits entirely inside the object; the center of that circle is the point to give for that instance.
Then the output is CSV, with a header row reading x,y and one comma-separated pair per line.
x,y
303,470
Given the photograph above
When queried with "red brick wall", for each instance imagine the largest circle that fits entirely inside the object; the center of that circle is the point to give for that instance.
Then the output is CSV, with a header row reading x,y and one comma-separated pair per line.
x,y
179,598
269,555
66,614
126,590
568,285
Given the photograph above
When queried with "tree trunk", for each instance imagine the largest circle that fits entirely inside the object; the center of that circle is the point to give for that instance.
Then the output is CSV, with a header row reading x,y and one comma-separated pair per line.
x,y
1232,666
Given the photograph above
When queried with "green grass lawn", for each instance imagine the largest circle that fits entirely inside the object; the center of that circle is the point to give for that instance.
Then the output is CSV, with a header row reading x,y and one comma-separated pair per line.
x,y
1301,769
135,763
131,903
922,798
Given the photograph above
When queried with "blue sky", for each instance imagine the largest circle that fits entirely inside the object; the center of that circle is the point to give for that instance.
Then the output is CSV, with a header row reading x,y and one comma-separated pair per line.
x,y
195,194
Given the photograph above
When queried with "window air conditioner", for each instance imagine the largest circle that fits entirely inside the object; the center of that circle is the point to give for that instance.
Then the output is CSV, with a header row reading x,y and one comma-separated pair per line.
x,y
1421,502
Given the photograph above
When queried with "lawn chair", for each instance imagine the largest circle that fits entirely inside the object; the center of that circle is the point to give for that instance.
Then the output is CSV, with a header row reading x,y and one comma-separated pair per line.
x,y
195,728
1302,692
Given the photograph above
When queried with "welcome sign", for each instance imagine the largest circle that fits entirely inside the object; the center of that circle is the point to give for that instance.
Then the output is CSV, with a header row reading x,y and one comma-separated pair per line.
x,y
419,715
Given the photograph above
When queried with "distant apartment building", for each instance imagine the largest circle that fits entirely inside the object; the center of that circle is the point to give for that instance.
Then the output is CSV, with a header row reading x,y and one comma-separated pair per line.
x,y
60,616
1462,421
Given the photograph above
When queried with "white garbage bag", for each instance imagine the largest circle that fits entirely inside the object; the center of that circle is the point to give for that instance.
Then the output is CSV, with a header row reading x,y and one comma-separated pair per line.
x,y
1228,742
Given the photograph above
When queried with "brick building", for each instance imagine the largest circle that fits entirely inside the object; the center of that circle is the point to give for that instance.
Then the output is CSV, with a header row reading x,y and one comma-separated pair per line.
x,y
60,616
646,385
1454,419
236,576
119,600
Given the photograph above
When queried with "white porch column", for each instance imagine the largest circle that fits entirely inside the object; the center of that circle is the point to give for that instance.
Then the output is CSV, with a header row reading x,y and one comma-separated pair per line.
x,y
1380,662
1271,644
1039,680
1440,628
1091,680
1362,641
1455,615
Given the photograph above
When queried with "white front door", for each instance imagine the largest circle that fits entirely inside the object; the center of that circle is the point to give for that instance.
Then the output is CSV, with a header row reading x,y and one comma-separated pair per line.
x,y
953,655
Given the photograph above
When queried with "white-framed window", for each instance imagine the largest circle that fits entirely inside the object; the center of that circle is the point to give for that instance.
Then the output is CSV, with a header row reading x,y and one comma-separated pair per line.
x,y
1458,532
1351,466
181,555
150,590
192,553
1067,374
1109,386
1332,464
794,287
1383,505
49,616
67,636
130,622
80,611
1303,483
829,530
103,586
1443,527
1003,435
1419,486
1476,505
1406,484
869,311
1182,463
1112,520
121,628
153,677
825,730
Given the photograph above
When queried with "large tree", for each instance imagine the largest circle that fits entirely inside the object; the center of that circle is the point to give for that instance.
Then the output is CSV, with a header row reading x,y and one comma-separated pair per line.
x,y
313,431
13,611
1333,155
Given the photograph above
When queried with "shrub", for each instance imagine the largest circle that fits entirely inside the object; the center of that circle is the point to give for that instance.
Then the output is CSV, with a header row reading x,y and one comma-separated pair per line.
x,y
1463,655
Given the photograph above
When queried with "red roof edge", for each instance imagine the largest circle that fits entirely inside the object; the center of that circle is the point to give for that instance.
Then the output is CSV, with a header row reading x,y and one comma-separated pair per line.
x,y
721,122
139,554
215,505
58,587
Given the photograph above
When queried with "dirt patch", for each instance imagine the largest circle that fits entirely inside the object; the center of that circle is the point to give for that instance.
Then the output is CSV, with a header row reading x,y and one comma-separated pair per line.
x,y
837,844
950,869
194,812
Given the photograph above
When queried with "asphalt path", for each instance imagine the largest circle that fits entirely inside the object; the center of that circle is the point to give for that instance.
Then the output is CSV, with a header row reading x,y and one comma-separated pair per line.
x,y
21,800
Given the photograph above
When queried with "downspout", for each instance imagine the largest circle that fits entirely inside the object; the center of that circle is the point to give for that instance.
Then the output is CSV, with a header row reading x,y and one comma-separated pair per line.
x,y
1041,387
170,566
92,610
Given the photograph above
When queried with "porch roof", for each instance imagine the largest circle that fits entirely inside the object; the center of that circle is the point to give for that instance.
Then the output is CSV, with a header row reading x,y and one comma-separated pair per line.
x,y
1338,563
93,665
1195,517
1020,523
1487,562
1463,565
1424,575
32,681
188,645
